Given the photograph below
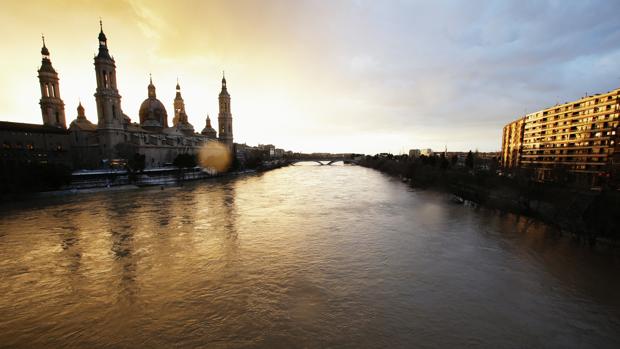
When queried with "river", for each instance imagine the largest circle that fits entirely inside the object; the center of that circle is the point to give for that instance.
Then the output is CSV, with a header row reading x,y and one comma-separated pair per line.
x,y
303,256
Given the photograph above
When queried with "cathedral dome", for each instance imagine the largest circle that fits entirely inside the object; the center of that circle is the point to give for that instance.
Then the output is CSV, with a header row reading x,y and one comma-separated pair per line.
x,y
152,112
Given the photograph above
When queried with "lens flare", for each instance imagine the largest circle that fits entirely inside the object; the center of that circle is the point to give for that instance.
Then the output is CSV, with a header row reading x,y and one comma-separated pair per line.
x,y
215,156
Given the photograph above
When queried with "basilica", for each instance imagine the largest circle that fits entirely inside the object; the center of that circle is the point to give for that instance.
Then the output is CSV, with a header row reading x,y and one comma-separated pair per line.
x,y
114,138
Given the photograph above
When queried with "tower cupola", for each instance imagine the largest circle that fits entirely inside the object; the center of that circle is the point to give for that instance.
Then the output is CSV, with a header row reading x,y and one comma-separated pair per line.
x,y
44,51
80,111
209,131
103,44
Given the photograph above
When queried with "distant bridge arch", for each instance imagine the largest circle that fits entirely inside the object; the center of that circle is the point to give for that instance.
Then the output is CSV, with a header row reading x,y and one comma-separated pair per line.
x,y
323,161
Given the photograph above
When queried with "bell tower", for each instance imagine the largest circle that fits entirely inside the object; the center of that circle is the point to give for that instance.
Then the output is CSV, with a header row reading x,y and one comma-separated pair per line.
x,y
110,117
52,107
179,108
109,113
224,118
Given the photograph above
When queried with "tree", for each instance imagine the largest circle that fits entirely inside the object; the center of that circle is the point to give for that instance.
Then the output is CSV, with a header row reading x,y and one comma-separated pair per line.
x,y
454,160
183,161
443,162
469,160
254,159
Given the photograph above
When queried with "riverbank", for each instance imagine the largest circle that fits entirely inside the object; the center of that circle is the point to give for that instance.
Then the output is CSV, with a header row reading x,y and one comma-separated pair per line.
x,y
84,182
586,214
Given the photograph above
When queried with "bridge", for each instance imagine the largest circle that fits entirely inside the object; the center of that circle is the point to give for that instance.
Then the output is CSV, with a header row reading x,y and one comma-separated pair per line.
x,y
323,161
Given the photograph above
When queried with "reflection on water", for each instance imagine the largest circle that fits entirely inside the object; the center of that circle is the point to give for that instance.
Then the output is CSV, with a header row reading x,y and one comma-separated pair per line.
x,y
305,256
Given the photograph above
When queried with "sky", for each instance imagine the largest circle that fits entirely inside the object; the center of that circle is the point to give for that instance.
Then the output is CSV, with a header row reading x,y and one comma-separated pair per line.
x,y
323,76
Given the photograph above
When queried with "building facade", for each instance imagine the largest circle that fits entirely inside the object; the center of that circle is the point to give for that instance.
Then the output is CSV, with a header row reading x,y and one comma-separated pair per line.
x,y
114,138
414,153
579,137
29,143
512,136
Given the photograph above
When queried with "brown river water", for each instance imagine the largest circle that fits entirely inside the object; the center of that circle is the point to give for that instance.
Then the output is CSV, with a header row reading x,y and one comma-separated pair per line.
x,y
299,257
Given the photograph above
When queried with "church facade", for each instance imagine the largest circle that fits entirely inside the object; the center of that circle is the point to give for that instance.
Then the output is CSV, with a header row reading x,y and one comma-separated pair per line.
x,y
114,138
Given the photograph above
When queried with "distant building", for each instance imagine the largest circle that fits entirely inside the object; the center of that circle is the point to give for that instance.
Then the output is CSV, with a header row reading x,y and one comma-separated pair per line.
x,y
414,153
28,143
580,137
426,152
269,149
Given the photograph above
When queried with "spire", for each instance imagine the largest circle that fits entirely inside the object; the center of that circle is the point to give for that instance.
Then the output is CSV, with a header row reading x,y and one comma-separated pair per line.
x,y
208,121
103,43
178,99
224,89
44,51
151,87
46,63
178,95
102,38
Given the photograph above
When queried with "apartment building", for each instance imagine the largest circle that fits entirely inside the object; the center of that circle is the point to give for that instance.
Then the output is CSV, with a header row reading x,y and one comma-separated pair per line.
x,y
580,137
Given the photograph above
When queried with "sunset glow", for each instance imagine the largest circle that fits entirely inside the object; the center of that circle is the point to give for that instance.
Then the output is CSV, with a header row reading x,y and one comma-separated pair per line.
x,y
312,76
